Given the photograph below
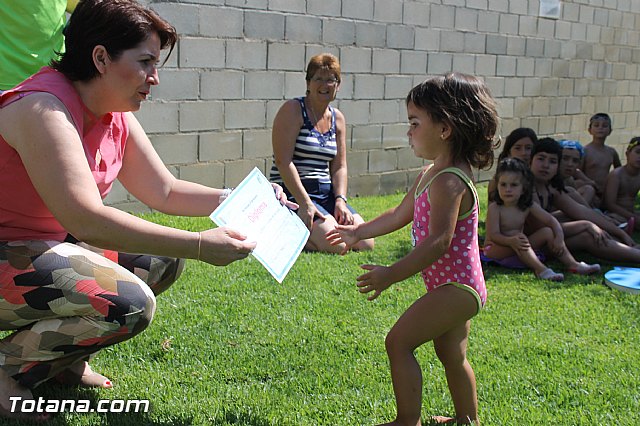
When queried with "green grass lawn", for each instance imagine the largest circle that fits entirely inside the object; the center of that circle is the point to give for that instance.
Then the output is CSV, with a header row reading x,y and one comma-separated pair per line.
x,y
231,346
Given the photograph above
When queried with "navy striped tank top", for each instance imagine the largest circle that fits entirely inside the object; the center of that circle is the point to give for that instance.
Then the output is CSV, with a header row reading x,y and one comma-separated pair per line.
x,y
313,150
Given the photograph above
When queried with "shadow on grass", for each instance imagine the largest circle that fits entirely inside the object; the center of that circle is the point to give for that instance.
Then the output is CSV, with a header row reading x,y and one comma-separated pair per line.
x,y
244,419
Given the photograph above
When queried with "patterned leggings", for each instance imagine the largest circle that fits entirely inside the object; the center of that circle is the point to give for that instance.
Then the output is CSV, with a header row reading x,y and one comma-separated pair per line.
x,y
68,300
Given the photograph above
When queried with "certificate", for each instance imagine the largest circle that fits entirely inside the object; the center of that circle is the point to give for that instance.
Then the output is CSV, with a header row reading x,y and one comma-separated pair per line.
x,y
253,210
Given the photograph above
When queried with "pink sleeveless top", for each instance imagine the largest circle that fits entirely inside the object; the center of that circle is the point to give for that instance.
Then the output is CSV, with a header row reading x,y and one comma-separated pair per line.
x,y
23,214
460,265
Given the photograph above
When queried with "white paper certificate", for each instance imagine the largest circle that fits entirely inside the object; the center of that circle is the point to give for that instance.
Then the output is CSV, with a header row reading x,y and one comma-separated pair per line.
x,y
253,210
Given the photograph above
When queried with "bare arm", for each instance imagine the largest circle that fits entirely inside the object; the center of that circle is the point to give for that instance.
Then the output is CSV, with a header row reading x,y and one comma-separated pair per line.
x,y
286,126
70,193
616,159
611,195
492,225
338,170
389,221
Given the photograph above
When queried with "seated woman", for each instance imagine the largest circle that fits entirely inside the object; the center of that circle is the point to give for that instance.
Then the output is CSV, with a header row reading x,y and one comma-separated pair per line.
x,y
584,228
310,156
67,285
519,144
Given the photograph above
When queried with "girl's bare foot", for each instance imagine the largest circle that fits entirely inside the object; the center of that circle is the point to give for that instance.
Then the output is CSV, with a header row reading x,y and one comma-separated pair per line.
x,y
443,420
10,388
82,375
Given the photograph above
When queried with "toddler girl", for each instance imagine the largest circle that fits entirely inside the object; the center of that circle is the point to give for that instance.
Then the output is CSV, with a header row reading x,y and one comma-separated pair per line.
x,y
452,122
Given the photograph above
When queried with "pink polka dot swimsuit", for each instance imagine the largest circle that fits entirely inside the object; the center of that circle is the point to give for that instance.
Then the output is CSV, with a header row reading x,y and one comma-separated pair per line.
x,y
460,265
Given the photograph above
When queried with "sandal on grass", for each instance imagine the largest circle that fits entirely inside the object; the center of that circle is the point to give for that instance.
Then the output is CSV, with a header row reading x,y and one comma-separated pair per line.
x,y
87,379
549,274
585,269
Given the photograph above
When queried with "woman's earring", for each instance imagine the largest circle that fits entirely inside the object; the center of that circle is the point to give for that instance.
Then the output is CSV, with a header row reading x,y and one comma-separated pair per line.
x,y
442,136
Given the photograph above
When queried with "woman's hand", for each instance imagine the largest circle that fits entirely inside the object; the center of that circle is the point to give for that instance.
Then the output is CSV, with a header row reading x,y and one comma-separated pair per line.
x,y
221,246
307,213
282,197
342,213
378,279
343,234
600,236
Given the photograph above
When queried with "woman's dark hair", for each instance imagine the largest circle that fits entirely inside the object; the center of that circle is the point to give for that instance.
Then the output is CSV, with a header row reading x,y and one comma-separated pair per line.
x,y
551,146
118,25
464,103
516,165
515,136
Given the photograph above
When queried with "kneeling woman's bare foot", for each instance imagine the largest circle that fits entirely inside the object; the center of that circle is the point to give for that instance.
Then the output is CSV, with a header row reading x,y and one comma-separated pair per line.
x,y
82,375
10,388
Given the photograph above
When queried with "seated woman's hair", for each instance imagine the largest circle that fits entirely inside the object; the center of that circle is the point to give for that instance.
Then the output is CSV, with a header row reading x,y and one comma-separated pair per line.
x,y
323,61
516,165
551,146
515,136
118,25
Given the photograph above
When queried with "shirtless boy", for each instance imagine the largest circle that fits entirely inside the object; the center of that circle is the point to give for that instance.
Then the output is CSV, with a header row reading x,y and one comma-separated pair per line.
x,y
598,158
623,185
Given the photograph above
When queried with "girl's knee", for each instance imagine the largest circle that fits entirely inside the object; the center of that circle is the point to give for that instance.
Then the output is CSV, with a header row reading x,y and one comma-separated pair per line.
x,y
395,344
365,245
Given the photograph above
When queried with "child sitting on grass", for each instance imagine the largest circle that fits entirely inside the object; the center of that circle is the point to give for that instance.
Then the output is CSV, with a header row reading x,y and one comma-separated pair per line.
x,y
519,144
623,185
574,179
506,216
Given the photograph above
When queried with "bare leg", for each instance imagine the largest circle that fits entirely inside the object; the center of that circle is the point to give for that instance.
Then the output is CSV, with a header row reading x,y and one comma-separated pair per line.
x,y
451,349
528,256
440,311
611,250
317,240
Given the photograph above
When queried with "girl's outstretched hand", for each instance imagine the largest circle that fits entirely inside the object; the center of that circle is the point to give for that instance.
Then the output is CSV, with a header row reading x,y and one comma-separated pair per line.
x,y
343,234
378,279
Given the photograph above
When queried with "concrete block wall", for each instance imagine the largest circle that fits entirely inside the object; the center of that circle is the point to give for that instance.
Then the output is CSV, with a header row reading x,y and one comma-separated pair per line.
x,y
237,60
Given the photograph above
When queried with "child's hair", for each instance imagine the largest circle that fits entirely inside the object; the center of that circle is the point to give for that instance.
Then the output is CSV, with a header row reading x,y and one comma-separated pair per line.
x,y
516,165
464,103
600,116
515,136
568,144
550,146
633,143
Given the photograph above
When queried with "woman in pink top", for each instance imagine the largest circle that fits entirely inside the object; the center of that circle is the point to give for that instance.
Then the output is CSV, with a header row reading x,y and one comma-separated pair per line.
x,y
66,134
452,122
